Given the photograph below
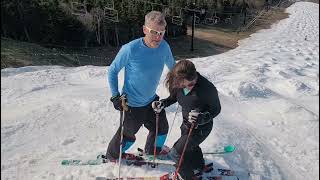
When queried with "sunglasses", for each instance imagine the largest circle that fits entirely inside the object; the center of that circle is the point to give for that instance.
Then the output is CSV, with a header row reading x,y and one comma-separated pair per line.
x,y
154,32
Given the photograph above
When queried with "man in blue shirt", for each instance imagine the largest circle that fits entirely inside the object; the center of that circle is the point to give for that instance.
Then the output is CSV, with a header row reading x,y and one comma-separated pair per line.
x,y
143,60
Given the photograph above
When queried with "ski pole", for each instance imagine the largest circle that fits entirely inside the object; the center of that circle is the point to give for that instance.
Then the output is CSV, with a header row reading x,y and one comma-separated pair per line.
x,y
122,116
183,151
155,141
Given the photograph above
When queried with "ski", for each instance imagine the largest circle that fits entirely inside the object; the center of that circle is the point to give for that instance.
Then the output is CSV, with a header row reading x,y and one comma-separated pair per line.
x,y
167,177
229,172
131,159
163,177
170,176
208,169
224,174
74,162
223,150
210,172
101,159
220,178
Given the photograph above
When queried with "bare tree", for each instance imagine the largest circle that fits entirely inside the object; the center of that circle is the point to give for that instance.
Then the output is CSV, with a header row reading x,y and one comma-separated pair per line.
x,y
97,20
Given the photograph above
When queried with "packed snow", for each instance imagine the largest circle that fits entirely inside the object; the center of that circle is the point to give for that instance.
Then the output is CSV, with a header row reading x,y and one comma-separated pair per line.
x,y
269,92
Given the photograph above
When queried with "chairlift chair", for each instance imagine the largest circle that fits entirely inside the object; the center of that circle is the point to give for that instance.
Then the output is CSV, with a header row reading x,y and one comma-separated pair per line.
x,y
111,14
166,11
109,4
214,19
78,9
177,20
228,19
197,19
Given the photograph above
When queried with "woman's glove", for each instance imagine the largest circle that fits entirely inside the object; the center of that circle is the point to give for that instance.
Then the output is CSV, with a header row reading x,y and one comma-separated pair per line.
x,y
193,116
198,118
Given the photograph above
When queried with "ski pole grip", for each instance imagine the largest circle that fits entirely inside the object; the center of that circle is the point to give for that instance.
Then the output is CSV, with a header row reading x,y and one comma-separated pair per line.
x,y
124,103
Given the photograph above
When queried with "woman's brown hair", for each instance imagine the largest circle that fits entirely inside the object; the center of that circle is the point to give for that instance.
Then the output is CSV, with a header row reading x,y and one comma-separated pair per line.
x,y
183,70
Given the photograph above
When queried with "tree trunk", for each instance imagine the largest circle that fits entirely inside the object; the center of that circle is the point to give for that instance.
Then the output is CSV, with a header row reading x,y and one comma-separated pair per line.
x,y
117,34
26,32
20,10
98,32
4,31
104,33
97,20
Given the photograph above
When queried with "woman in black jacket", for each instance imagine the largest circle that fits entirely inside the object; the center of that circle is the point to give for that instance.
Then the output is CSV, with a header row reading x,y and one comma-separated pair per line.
x,y
200,103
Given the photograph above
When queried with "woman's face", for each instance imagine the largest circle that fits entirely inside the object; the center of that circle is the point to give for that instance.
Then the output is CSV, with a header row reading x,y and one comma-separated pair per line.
x,y
188,84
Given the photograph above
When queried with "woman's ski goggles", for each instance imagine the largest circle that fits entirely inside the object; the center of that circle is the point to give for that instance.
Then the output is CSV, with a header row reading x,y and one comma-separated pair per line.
x,y
154,32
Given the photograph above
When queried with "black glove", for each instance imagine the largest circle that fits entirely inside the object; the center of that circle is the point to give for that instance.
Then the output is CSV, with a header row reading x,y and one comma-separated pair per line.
x,y
157,106
116,100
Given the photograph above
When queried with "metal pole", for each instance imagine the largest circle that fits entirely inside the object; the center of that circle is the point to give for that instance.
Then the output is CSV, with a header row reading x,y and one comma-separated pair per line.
x,y
155,141
124,108
121,138
192,34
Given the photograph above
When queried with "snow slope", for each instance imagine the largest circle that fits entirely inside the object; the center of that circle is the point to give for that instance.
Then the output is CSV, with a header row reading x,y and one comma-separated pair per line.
x,y
269,91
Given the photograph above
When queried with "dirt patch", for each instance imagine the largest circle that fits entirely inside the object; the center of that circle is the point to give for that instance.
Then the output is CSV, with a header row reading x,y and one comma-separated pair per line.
x,y
210,40
314,1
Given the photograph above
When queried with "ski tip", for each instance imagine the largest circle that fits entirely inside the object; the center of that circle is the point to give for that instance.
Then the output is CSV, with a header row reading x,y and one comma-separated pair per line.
x,y
101,178
229,148
68,162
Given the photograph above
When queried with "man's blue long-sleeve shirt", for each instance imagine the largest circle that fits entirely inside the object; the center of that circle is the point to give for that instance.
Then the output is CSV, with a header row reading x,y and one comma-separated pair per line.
x,y
143,69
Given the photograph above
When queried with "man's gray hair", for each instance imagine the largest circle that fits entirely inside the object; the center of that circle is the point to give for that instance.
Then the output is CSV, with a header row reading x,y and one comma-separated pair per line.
x,y
155,17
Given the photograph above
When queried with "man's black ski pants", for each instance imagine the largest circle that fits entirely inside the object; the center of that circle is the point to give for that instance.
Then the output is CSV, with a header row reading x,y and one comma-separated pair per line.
x,y
134,119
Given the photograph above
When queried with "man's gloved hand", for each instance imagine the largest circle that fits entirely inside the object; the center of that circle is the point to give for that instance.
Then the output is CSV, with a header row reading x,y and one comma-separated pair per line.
x,y
116,100
157,106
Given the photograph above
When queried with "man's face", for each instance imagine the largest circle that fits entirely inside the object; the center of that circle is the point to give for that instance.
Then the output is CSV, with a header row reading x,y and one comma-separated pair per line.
x,y
153,34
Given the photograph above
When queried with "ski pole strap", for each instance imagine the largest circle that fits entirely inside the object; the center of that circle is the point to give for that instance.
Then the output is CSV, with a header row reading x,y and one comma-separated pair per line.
x,y
124,102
